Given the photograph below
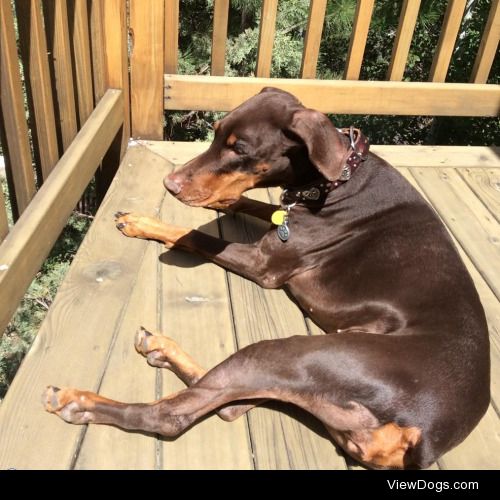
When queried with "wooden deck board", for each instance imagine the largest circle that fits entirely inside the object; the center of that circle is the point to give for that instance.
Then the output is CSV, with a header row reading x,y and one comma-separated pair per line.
x,y
280,438
485,183
196,313
87,339
72,346
480,450
490,303
128,377
469,220
472,454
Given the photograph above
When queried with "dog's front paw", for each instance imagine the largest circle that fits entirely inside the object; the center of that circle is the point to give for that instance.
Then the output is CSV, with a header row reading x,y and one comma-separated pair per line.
x,y
142,226
71,405
136,226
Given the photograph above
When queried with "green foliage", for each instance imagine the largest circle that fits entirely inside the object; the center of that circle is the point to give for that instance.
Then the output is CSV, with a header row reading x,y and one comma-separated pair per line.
x,y
242,46
22,330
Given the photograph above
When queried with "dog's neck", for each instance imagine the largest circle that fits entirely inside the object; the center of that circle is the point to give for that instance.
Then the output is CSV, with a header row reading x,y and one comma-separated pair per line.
x,y
317,190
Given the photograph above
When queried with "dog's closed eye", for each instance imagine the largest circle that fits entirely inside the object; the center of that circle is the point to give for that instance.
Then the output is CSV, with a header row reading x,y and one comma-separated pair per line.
x,y
240,147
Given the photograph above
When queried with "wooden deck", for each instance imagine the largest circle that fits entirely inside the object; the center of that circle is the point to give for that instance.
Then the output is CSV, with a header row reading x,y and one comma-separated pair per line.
x,y
116,285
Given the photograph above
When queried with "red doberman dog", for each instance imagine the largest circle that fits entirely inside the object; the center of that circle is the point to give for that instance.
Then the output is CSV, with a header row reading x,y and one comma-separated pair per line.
x,y
404,374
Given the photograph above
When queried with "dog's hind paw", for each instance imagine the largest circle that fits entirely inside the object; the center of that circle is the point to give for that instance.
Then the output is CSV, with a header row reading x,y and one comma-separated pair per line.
x,y
157,349
50,400
71,405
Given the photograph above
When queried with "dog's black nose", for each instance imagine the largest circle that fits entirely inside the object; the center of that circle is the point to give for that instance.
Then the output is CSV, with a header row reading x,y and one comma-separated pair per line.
x,y
173,184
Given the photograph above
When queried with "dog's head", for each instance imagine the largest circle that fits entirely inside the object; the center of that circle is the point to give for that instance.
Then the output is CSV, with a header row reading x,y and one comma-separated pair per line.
x,y
269,140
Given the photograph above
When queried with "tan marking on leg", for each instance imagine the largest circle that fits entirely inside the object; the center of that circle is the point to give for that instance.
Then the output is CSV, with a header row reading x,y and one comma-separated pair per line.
x,y
144,227
163,352
383,447
72,405
389,445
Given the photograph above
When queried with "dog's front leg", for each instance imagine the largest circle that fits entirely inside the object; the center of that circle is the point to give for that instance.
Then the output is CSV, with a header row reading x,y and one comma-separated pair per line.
x,y
246,260
254,208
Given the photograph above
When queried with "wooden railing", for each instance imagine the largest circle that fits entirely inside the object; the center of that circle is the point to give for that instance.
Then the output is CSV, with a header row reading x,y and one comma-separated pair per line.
x,y
219,93
74,89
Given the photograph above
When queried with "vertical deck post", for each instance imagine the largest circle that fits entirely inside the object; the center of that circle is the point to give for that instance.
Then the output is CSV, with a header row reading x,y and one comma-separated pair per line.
x,y
488,47
81,57
4,224
97,42
57,28
116,70
447,39
406,27
146,68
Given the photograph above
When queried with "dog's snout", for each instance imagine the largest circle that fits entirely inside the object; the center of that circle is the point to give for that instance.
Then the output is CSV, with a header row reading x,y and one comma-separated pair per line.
x,y
173,183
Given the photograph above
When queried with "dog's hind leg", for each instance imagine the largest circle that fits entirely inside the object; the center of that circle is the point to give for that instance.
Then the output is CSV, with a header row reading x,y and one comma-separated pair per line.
x,y
251,373
163,352
324,375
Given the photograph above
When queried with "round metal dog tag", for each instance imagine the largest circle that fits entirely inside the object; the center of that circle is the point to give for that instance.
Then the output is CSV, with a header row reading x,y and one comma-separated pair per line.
x,y
283,232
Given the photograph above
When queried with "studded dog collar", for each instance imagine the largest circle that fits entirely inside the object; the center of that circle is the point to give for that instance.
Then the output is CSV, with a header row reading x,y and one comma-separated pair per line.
x,y
357,153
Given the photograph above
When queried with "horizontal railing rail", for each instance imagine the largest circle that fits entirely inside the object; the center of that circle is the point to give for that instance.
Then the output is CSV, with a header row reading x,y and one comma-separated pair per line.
x,y
31,239
209,93
60,122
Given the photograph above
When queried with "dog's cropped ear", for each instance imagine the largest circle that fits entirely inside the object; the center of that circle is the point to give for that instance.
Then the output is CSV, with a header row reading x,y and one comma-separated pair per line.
x,y
323,141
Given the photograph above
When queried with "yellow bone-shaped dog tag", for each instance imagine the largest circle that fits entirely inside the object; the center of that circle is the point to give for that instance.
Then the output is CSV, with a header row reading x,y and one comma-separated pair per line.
x,y
278,217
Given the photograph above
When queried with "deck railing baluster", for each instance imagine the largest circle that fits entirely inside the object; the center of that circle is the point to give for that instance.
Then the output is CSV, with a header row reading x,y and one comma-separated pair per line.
x,y
81,59
488,47
406,27
97,43
362,19
38,83
4,223
447,39
313,38
266,37
57,27
171,36
14,128
219,38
